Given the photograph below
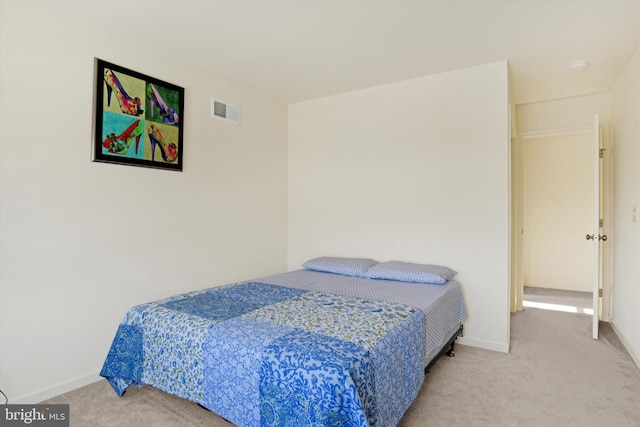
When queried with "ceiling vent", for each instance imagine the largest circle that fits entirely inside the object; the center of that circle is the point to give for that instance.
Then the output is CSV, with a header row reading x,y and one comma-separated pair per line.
x,y
225,111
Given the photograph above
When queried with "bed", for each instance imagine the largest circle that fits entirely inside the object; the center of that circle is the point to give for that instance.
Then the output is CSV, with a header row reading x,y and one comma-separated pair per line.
x,y
341,342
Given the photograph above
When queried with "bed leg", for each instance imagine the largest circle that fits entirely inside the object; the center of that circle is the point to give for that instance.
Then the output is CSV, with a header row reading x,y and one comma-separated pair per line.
x,y
451,352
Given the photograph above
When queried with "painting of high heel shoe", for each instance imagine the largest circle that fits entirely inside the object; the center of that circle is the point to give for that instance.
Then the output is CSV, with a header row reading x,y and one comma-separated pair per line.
x,y
120,144
168,151
168,114
128,105
138,119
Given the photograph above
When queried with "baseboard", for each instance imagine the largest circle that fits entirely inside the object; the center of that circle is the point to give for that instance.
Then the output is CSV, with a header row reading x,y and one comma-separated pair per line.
x,y
487,345
626,343
58,389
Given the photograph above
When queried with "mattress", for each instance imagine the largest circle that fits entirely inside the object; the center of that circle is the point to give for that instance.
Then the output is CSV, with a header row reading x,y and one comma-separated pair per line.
x,y
442,305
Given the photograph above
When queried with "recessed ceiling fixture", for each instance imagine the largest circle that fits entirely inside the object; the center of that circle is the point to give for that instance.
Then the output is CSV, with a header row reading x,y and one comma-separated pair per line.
x,y
579,65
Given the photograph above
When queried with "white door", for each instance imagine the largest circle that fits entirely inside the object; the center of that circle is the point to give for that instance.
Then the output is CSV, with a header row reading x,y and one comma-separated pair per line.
x,y
595,237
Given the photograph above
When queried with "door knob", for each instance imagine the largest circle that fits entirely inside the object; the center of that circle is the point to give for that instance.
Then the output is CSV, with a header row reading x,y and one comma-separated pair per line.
x,y
598,237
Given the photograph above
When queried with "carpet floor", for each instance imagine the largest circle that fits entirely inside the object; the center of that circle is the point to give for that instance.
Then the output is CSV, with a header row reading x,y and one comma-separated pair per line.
x,y
554,375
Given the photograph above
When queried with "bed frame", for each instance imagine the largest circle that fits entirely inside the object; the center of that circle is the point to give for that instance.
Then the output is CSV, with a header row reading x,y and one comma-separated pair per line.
x,y
446,349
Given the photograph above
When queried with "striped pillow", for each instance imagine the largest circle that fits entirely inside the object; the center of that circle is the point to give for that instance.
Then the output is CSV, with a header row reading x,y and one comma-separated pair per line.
x,y
345,266
409,272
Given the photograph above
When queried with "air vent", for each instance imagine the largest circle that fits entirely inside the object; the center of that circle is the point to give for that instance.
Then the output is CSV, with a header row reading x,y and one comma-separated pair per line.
x,y
225,111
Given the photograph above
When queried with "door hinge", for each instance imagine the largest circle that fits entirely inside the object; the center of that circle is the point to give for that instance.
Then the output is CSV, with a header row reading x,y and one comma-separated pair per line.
x,y
600,293
601,223
601,153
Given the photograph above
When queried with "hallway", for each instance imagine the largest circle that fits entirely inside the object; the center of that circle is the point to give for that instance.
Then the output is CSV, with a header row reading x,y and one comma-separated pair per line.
x,y
558,300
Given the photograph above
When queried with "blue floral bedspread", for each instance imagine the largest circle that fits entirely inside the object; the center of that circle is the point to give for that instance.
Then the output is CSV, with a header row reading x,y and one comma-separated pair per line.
x,y
267,355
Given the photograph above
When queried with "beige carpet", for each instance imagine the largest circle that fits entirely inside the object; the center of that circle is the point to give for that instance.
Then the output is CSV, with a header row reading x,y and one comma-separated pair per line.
x,y
555,375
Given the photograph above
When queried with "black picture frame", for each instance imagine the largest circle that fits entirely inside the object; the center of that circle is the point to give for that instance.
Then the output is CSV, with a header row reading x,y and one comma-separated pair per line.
x,y
138,119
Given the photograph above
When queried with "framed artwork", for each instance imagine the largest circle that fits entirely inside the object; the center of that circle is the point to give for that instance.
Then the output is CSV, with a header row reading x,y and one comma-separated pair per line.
x,y
138,119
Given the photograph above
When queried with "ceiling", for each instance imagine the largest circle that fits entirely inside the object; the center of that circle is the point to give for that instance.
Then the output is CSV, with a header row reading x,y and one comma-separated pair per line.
x,y
301,50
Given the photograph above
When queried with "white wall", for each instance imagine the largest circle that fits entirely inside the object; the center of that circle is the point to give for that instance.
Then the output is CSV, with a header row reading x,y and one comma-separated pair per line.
x,y
625,105
417,171
82,242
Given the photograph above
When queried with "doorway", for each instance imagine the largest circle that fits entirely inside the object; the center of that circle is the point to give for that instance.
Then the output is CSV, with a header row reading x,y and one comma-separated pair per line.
x,y
557,117
553,175
557,192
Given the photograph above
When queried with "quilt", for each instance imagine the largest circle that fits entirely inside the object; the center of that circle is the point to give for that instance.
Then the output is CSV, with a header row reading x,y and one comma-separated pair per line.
x,y
260,354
